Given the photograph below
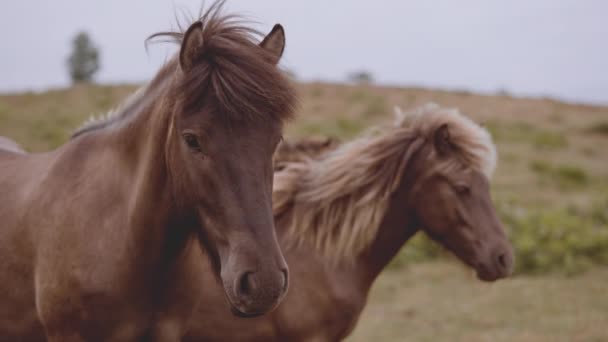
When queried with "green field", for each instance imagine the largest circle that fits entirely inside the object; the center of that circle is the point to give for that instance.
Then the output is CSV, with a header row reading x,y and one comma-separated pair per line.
x,y
551,189
444,302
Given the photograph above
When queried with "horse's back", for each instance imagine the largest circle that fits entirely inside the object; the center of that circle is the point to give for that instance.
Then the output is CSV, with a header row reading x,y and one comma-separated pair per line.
x,y
18,317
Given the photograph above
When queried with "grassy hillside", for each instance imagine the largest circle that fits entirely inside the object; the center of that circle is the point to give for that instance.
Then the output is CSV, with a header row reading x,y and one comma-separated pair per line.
x,y
551,154
551,188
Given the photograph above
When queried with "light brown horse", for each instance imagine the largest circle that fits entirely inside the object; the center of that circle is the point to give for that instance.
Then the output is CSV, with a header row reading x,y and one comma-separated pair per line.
x,y
102,239
342,217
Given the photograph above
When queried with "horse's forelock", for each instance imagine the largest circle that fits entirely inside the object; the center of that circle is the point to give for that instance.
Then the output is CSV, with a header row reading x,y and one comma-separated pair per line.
x,y
233,70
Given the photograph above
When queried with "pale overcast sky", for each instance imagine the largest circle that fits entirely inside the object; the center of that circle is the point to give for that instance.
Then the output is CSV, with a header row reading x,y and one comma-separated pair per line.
x,y
528,47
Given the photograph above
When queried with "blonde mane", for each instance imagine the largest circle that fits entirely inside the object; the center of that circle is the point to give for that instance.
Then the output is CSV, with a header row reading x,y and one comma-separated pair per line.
x,y
336,203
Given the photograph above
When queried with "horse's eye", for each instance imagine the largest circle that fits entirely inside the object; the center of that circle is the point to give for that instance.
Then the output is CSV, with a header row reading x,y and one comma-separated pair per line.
x,y
462,189
192,141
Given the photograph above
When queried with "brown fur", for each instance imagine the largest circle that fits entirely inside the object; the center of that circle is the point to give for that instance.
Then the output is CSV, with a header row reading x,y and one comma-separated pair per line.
x,y
103,238
438,191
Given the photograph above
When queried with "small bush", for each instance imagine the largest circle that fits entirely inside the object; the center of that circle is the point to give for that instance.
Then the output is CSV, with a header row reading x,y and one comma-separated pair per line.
x,y
504,92
361,77
557,240
600,128
571,175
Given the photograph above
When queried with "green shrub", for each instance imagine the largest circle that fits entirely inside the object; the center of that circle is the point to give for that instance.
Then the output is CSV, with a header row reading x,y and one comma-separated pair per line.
x,y
571,174
600,128
557,240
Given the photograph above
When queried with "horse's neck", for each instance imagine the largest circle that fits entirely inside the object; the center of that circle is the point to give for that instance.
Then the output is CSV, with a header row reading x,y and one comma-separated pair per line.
x,y
142,143
398,225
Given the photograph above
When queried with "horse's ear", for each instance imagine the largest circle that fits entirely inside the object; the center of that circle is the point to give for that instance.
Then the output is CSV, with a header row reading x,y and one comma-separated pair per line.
x,y
191,46
274,43
399,116
442,140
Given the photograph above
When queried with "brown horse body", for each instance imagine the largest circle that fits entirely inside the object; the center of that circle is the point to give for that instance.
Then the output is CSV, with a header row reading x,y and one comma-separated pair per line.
x,y
431,170
102,239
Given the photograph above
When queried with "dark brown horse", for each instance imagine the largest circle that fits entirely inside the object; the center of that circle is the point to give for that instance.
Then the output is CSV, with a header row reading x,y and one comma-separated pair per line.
x,y
343,216
102,239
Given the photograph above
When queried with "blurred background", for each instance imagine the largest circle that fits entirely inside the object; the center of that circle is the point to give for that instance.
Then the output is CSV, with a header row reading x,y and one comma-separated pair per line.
x,y
533,72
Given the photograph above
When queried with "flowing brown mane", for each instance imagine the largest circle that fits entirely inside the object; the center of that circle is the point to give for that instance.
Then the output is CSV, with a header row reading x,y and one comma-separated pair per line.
x,y
233,74
336,203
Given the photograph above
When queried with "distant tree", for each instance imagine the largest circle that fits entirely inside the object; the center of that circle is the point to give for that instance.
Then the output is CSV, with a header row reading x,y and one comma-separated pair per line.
x,y
83,62
361,77
503,92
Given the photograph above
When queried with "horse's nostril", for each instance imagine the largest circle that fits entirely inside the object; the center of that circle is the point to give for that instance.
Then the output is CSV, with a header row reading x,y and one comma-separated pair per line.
x,y
246,284
502,261
257,288
285,279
